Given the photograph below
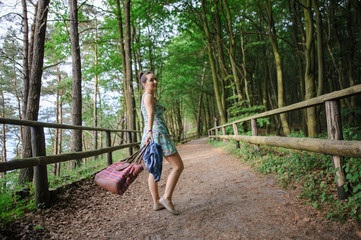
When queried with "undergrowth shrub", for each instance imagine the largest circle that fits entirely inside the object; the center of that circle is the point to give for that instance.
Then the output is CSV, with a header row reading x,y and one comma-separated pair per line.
x,y
11,206
312,173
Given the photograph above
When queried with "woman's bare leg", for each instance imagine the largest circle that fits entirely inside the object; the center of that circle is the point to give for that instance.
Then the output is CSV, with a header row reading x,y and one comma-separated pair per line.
x,y
177,168
153,187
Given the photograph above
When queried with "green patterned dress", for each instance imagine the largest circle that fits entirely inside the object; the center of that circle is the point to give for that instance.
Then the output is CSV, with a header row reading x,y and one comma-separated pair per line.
x,y
160,130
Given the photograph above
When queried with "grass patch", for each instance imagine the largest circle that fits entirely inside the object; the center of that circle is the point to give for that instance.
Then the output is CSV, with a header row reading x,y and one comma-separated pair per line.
x,y
12,206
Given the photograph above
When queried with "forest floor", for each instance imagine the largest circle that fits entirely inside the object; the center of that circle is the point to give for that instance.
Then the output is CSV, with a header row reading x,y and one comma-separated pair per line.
x,y
218,197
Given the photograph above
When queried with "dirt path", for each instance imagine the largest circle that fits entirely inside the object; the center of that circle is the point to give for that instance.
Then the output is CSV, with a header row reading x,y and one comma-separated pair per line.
x,y
219,198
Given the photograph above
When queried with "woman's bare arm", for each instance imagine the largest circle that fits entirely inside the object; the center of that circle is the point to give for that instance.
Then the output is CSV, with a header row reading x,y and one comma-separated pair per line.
x,y
149,107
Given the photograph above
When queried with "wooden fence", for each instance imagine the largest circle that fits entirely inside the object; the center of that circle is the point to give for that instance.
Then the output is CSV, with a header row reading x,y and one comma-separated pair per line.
x,y
39,160
185,138
334,146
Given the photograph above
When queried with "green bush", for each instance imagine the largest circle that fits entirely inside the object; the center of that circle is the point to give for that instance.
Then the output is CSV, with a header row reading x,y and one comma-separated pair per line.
x,y
11,206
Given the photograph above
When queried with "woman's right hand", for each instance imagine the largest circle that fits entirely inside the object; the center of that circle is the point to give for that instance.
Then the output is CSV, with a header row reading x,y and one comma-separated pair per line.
x,y
149,137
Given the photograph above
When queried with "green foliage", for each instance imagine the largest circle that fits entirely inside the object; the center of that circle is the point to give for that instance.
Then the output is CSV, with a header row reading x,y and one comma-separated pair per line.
x,y
351,206
300,134
312,173
11,206
238,111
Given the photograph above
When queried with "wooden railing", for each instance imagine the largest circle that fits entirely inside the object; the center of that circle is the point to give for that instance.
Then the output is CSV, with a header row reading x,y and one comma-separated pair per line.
x,y
334,146
185,138
39,160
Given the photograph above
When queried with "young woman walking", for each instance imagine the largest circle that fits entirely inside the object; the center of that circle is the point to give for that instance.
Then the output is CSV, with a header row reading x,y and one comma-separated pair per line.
x,y
155,128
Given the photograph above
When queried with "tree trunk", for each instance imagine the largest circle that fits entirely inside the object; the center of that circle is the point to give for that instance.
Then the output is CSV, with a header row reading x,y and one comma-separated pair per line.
x,y
76,144
60,130
232,51
273,40
4,155
57,111
219,39
206,107
122,55
121,37
244,71
350,63
130,101
95,107
310,68
320,58
296,25
199,124
26,70
31,44
178,117
357,5
26,174
222,65
265,84
221,109
151,64
32,108
139,91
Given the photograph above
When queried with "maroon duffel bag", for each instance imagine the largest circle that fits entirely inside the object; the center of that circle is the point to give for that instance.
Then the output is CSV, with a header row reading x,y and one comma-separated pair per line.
x,y
117,177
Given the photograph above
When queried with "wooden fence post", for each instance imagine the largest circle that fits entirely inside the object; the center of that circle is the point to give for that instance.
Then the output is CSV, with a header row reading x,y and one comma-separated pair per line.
x,y
108,143
42,196
334,129
235,131
254,132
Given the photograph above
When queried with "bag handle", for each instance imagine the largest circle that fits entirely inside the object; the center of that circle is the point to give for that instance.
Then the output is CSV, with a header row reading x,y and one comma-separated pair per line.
x,y
131,158
140,156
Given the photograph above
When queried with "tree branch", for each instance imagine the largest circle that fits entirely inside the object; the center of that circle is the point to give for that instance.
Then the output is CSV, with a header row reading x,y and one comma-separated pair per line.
x,y
53,65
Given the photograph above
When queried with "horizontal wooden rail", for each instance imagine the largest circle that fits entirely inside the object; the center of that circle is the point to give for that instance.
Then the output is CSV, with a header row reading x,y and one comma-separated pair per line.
x,y
43,160
330,147
185,138
54,125
305,104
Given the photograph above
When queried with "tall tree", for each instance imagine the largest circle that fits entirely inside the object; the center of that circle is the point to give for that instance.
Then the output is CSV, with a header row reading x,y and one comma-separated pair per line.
x,y
320,57
129,93
220,52
310,68
26,175
218,94
273,39
96,89
33,99
76,144
357,5
37,62
232,50
121,36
